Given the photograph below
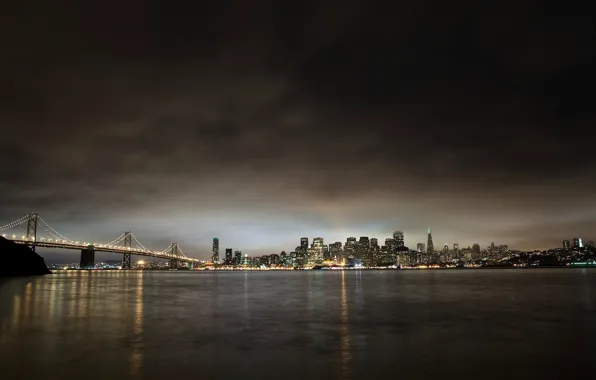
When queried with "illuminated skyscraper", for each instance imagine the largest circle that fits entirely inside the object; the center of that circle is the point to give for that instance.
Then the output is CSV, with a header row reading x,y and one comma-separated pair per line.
x,y
399,238
421,248
374,242
566,244
455,247
317,242
229,257
430,248
364,242
576,243
304,243
237,257
215,252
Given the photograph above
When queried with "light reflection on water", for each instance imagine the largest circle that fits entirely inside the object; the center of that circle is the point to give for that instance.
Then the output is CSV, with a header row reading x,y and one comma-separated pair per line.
x,y
302,325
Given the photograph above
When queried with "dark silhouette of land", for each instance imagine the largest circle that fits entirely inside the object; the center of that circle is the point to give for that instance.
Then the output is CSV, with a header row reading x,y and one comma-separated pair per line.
x,y
20,260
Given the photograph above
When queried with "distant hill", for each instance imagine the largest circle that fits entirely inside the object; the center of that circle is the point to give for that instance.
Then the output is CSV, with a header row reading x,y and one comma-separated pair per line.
x,y
20,260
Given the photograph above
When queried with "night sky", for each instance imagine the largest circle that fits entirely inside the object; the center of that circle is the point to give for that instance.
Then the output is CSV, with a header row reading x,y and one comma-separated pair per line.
x,y
263,121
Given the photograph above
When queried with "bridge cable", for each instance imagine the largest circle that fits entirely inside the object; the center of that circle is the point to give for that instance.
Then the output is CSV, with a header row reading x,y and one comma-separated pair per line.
x,y
14,223
53,232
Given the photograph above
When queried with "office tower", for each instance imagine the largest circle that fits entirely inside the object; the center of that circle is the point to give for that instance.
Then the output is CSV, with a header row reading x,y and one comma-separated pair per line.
x,y
317,242
326,255
283,258
351,240
475,251
590,244
566,244
364,242
334,247
229,257
421,248
215,252
399,238
581,244
237,257
430,248
576,243
304,243
374,242
445,248
455,247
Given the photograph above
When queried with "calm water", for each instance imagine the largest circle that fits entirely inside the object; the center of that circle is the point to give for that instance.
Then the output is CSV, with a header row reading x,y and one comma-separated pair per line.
x,y
300,325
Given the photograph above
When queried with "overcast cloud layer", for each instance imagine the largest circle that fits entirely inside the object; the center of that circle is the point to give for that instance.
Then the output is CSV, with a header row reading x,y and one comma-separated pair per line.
x,y
263,121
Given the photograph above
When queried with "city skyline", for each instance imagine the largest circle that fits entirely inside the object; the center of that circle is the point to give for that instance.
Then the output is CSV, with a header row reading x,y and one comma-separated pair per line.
x,y
213,252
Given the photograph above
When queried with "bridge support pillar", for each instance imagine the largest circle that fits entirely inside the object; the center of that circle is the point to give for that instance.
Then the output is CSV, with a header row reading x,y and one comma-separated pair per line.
x,y
87,258
173,264
126,262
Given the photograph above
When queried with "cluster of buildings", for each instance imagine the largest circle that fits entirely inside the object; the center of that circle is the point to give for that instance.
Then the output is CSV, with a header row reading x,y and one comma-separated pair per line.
x,y
576,243
362,252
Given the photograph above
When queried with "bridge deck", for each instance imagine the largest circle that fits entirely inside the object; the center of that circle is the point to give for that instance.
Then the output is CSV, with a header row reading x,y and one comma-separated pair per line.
x,y
111,249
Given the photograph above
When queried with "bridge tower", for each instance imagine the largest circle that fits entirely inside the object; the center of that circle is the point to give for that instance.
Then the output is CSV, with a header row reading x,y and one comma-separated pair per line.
x,y
126,263
174,262
32,229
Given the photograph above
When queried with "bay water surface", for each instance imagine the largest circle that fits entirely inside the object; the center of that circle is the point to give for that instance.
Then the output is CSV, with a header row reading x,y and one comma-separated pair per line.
x,y
469,324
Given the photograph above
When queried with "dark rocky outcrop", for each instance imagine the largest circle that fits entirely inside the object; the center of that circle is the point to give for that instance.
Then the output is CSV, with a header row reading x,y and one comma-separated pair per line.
x,y
20,260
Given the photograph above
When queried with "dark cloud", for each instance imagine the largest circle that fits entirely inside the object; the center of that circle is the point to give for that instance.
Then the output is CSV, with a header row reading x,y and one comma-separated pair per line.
x,y
247,120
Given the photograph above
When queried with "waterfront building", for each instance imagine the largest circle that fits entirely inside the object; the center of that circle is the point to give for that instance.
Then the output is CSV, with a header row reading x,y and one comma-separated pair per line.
x,y
229,257
215,251
237,257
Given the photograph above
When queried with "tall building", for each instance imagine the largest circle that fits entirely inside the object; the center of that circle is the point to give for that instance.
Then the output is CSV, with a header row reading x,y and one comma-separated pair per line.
x,y
304,243
576,243
215,252
399,238
237,257
455,247
364,242
421,248
317,242
374,242
430,248
566,244
229,257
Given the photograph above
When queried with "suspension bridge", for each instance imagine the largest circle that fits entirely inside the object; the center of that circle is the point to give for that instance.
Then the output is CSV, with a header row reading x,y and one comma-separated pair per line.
x,y
38,233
